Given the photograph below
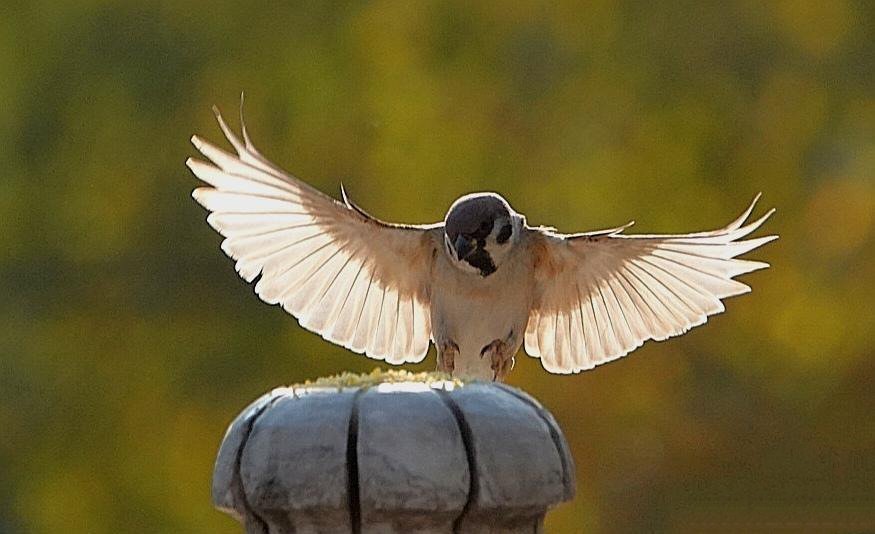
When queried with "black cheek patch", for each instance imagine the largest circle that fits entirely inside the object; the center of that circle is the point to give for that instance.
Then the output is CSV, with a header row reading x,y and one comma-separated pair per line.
x,y
480,259
504,234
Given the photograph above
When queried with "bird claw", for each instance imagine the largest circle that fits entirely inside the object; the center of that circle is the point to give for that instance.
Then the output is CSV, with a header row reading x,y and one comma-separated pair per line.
x,y
447,357
501,358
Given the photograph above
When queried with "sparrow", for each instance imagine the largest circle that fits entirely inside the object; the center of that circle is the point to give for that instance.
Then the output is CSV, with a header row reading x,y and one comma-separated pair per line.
x,y
479,285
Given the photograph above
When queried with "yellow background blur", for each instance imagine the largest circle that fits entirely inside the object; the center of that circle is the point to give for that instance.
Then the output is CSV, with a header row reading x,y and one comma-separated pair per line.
x,y
128,343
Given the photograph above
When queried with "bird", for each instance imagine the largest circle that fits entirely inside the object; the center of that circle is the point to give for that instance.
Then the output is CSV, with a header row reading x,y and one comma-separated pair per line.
x,y
479,285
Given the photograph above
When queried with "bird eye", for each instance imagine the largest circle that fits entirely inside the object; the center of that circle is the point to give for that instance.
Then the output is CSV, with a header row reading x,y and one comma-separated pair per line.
x,y
504,234
485,226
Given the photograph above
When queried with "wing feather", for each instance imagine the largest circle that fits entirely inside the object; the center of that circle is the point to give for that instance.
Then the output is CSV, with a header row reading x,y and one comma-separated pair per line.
x,y
600,295
353,279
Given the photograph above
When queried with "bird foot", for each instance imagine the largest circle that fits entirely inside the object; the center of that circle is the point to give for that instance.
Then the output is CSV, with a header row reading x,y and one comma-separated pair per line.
x,y
501,357
447,353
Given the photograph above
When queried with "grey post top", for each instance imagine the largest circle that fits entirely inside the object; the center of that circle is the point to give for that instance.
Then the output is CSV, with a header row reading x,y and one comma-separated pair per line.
x,y
391,457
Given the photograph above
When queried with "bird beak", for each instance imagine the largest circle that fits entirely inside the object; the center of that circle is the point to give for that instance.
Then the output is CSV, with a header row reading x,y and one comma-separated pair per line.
x,y
463,247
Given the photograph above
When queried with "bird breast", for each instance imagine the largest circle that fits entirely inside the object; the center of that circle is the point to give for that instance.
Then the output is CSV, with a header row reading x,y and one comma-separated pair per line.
x,y
472,310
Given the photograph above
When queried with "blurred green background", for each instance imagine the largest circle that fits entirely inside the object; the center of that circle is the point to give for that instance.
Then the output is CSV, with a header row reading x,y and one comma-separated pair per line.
x,y
128,343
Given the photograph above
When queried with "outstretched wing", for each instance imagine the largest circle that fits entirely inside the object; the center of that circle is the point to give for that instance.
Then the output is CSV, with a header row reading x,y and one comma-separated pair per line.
x,y
354,280
600,295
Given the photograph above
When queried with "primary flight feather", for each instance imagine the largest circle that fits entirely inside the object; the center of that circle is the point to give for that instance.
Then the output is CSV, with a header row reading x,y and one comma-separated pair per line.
x,y
479,284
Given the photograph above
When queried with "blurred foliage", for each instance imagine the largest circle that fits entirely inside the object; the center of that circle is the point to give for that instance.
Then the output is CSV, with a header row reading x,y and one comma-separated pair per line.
x,y
127,342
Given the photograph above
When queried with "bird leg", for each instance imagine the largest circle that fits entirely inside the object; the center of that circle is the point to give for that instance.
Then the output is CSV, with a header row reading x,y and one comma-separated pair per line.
x,y
501,353
446,358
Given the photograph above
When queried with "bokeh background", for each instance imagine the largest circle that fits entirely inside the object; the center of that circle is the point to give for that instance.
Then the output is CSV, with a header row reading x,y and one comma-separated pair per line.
x,y
128,343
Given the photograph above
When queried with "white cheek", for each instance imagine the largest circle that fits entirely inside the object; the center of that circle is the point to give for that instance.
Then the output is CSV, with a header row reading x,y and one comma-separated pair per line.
x,y
499,250
449,252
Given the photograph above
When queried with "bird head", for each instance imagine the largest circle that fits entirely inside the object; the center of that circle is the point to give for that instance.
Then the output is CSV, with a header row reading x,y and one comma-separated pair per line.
x,y
479,231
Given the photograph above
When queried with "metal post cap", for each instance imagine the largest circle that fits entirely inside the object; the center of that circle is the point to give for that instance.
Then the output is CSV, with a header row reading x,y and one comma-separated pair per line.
x,y
393,452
